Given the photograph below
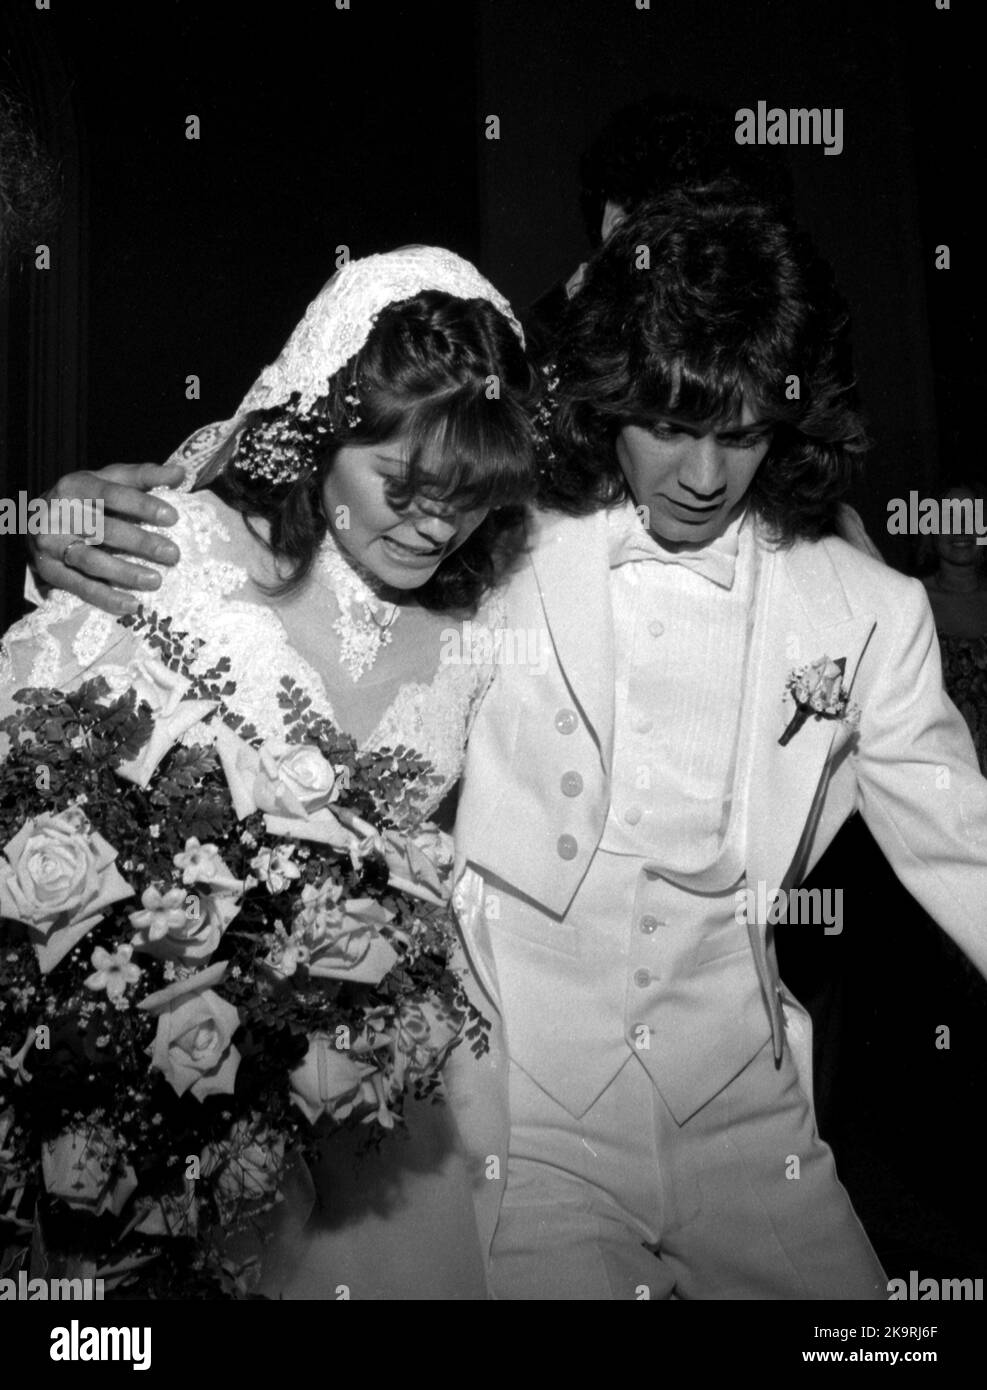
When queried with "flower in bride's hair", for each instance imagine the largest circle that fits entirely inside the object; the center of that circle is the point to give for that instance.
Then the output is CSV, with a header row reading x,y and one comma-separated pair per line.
x,y
193,1047
59,877
329,1082
164,691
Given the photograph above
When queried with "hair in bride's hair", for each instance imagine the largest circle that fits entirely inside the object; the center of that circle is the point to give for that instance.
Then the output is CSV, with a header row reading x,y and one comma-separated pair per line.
x,y
451,378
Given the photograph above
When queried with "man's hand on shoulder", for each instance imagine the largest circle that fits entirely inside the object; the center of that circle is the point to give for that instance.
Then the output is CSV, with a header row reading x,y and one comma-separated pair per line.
x,y
100,573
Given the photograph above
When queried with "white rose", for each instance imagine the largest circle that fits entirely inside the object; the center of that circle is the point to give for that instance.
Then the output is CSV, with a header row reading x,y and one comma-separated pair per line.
x,y
343,942
292,784
193,1048
330,1083
59,876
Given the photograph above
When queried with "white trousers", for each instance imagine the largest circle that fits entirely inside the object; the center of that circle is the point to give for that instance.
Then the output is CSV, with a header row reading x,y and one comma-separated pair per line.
x,y
740,1202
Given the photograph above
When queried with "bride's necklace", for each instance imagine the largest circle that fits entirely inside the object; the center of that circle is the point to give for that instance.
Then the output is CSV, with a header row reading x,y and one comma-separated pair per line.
x,y
365,619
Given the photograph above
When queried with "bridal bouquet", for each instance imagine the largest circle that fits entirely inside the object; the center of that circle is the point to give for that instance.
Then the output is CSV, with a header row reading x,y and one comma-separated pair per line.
x,y
213,949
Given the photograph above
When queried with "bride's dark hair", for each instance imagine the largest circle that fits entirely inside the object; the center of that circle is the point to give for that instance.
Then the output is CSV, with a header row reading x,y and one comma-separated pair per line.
x,y
451,378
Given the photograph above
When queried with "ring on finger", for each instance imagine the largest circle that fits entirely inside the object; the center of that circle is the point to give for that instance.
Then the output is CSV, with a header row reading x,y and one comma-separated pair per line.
x,y
66,553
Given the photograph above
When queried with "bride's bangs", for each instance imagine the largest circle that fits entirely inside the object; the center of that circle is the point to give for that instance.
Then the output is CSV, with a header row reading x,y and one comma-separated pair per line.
x,y
466,449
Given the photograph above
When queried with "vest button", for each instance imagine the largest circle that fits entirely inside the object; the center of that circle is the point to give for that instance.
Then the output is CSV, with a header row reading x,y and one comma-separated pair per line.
x,y
649,923
567,847
644,725
642,978
567,721
572,783
656,628
633,814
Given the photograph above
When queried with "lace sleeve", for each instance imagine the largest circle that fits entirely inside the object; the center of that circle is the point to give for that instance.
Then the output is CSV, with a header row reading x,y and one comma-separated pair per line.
x,y
65,641
59,645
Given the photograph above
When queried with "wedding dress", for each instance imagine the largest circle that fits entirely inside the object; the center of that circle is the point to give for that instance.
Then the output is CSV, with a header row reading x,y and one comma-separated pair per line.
x,y
398,1223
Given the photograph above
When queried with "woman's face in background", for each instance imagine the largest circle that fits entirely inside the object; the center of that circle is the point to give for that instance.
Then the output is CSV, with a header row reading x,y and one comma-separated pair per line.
x,y
961,548
401,547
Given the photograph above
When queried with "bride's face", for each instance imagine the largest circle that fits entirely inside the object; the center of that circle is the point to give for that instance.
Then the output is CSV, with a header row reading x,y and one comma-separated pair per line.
x,y
401,548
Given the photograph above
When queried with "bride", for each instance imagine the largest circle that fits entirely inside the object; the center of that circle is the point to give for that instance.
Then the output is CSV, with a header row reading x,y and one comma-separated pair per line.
x,y
358,509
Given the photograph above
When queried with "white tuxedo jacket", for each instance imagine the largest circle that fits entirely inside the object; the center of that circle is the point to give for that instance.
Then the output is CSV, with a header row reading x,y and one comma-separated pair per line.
x,y
911,770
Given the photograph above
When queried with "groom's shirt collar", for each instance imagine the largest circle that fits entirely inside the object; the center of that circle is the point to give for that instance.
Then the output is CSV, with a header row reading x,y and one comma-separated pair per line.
x,y
629,541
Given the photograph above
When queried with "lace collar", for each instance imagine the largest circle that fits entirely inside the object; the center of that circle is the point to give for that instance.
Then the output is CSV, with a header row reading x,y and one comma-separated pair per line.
x,y
366,618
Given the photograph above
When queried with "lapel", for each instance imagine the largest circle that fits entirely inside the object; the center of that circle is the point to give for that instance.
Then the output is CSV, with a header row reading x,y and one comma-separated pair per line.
x,y
801,613
571,562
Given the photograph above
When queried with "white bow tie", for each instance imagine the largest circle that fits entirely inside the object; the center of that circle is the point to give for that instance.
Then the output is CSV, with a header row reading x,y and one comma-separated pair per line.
x,y
716,562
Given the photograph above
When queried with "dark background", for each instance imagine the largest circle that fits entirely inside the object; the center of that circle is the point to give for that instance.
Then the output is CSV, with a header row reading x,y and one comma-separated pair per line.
x,y
364,128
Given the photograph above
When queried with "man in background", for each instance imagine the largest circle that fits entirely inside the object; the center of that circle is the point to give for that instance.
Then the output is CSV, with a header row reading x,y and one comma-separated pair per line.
x,y
641,152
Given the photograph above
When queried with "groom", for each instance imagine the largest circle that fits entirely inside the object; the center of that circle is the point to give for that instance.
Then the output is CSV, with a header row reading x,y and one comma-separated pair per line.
x,y
644,1129
627,813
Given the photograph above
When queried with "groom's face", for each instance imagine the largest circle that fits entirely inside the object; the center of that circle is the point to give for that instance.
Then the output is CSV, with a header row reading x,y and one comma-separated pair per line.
x,y
692,476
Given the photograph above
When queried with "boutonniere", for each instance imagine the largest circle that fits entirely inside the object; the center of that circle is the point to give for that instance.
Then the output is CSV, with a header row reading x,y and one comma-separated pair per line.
x,y
817,689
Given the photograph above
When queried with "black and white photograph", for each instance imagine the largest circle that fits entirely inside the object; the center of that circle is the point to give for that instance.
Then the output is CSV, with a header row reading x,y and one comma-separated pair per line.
x,y
493,693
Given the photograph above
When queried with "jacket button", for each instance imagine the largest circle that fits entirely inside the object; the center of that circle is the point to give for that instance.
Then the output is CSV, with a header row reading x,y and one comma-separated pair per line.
x,y
566,721
572,783
633,814
567,847
656,628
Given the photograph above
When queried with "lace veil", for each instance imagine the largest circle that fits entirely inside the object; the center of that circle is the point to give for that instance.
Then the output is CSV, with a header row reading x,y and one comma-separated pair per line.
x,y
335,326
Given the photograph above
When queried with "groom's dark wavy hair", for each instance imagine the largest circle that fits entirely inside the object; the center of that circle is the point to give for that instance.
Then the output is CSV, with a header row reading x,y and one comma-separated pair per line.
x,y
451,378
734,304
